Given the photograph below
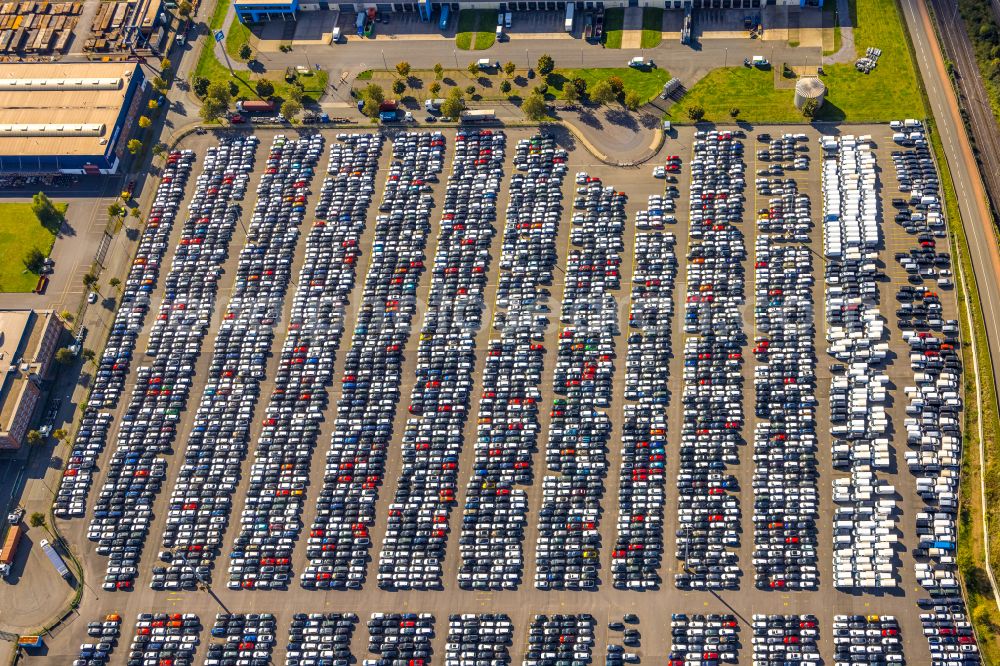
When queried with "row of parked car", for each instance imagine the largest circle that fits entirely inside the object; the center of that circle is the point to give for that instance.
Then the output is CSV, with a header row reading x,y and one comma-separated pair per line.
x,y
867,639
708,516
320,639
785,640
417,527
269,524
786,498
576,452
950,636
165,639
507,428
703,639
134,303
339,538
136,471
557,639
934,400
189,303
400,639
478,640
638,550
866,512
91,436
106,634
241,639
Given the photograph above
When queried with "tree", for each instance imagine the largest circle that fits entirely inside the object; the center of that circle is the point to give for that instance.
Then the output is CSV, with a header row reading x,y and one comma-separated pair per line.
x,y
264,88
64,356
159,83
114,283
470,90
59,434
633,100
200,85
505,87
734,112
696,113
211,109
546,64
246,53
570,93
116,210
66,315
219,91
37,519
89,280
166,66
144,122
810,108
45,210
438,70
616,84
602,93
159,149
435,88
473,68
534,107
134,146
290,109
34,438
152,105
398,86
136,213
184,8
34,260
454,105
403,68
373,98
580,84
509,67
88,354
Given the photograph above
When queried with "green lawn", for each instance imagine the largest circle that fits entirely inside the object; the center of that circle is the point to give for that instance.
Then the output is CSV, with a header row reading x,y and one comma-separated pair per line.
x,y
221,7
614,20
652,27
890,92
476,29
647,83
20,231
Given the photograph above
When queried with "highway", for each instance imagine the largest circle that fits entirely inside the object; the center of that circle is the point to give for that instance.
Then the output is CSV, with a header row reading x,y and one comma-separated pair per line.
x,y
969,186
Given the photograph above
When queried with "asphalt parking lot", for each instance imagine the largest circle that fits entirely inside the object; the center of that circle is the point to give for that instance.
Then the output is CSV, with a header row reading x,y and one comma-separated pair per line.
x,y
614,395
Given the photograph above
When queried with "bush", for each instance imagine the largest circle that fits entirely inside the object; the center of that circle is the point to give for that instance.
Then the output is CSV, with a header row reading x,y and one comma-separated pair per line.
x,y
470,90
633,100
246,52
602,93
435,88
696,113
505,87
617,85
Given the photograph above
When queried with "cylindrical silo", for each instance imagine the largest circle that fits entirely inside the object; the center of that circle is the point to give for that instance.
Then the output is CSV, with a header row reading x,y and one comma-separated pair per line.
x,y
809,88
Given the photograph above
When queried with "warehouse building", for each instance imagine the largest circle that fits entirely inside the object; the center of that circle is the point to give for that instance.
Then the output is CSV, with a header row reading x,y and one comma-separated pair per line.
x,y
28,343
255,11
71,118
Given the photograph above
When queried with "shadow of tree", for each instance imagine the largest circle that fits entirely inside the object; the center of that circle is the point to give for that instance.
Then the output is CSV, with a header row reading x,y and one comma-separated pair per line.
x,y
622,118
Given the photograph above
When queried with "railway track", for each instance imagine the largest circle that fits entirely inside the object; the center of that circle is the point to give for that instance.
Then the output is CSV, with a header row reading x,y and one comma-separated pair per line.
x,y
972,94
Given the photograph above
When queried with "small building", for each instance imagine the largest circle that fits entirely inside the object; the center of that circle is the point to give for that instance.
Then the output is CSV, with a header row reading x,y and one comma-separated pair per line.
x,y
71,118
28,343
809,88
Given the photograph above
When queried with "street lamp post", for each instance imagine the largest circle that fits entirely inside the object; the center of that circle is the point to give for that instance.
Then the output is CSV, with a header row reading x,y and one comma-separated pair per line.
x,y
725,58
